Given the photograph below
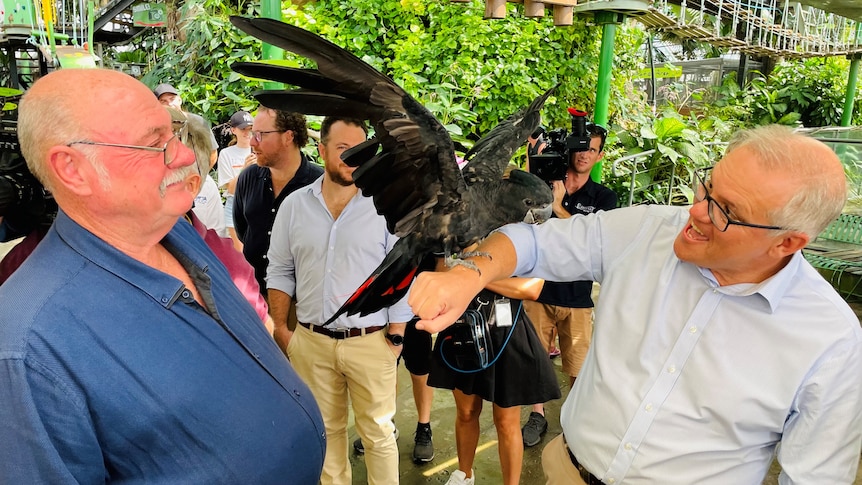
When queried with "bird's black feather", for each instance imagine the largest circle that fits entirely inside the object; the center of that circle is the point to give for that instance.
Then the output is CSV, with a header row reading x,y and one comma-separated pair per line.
x,y
410,168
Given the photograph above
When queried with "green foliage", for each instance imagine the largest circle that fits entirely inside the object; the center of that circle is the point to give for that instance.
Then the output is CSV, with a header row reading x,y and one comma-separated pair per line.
x,y
673,147
809,92
487,69
468,71
197,60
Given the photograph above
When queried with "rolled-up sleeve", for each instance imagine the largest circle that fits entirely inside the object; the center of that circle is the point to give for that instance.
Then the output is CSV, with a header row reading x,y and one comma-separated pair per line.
x,y
281,271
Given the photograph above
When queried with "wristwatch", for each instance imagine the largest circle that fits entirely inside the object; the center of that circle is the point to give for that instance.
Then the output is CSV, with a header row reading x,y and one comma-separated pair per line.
x,y
397,340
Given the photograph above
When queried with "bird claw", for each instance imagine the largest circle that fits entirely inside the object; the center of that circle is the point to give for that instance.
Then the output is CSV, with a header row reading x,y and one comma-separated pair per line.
x,y
459,260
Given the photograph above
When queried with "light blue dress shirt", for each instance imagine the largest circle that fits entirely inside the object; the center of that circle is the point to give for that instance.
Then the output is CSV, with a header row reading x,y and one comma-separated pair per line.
x,y
327,259
688,382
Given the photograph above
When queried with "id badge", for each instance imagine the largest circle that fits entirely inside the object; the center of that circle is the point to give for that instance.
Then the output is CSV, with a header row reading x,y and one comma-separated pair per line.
x,y
503,312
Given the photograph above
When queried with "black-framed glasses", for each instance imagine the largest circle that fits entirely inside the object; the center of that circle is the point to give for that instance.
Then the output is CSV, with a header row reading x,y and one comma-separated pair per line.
x,y
258,135
169,150
717,215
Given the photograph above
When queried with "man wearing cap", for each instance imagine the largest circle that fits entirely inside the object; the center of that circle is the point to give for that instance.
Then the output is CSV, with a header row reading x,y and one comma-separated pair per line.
x,y
231,161
169,96
280,168
127,355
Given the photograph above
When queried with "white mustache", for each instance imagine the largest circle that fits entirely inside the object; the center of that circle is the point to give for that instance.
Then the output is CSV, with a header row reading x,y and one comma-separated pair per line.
x,y
176,176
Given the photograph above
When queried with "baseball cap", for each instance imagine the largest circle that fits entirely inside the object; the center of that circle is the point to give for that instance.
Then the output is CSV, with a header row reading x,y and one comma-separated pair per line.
x,y
164,88
241,119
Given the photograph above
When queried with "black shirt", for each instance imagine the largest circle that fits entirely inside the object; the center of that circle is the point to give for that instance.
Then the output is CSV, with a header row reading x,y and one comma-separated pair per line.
x,y
255,206
590,198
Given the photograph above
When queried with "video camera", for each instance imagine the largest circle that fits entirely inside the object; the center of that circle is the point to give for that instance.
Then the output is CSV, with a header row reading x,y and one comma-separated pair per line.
x,y
24,202
553,163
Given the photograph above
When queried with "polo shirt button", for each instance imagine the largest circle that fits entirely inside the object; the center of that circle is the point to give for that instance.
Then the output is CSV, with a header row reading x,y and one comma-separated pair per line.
x,y
186,294
611,480
164,299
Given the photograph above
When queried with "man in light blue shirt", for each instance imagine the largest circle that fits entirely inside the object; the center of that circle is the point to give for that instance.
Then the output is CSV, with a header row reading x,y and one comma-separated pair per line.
x,y
326,240
715,341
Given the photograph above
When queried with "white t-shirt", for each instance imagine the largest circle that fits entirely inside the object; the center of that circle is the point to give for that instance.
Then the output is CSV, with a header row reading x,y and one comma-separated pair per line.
x,y
209,208
230,163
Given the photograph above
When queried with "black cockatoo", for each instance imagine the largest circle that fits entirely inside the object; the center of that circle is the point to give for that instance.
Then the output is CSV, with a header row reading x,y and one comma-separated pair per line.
x,y
409,167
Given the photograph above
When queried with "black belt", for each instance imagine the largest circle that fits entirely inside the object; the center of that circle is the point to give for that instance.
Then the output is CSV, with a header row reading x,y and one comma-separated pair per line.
x,y
586,476
342,333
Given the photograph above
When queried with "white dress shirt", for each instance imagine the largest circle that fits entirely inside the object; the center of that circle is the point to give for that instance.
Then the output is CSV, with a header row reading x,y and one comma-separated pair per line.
x,y
688,382
320,262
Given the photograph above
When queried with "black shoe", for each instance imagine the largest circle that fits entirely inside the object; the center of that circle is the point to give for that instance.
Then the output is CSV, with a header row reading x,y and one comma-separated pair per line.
x,y
536,426
423,448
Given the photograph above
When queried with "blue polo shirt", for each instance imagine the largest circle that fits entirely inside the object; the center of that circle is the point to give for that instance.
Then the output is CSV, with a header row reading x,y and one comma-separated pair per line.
x,y
255,206
111,372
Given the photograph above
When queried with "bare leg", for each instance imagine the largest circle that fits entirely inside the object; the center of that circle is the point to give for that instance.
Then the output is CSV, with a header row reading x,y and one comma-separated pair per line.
x,y
423,396
511,445
467,429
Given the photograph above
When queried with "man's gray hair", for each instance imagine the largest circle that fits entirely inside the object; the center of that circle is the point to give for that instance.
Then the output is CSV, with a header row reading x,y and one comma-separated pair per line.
x,y
819,196
43,122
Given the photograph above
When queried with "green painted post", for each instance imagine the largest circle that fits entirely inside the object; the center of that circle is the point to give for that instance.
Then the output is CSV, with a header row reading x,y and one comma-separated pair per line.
x,y
850,95
608,21
91,21
271,9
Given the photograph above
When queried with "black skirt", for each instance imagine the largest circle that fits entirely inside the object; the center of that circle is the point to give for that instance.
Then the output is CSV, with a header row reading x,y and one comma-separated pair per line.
x,y
521,373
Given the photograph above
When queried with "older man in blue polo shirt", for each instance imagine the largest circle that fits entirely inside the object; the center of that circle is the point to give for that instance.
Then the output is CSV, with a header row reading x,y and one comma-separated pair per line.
x,y
126,352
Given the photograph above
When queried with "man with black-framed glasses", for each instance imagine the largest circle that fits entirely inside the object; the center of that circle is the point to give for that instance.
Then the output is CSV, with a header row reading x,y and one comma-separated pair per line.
x,y
280,168
127,354
714,340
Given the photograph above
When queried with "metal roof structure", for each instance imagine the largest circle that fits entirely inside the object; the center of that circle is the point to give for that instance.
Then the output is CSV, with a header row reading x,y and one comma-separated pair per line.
x,y
770,28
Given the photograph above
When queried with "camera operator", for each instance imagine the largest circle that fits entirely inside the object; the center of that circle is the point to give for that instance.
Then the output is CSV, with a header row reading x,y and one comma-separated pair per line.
x,y
568,307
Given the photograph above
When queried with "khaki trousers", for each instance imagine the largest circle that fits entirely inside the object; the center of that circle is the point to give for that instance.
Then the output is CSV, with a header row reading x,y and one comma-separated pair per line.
x,y
363,369
574,326
558,467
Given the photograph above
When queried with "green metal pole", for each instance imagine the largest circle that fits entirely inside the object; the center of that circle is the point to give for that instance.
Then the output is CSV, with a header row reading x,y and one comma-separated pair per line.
x,y
271,9
91,20
850,95
608,21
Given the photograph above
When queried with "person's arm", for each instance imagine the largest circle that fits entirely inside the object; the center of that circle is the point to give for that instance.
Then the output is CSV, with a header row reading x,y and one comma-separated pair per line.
x,y
279,306
823,433
240,224
559,189
518,288
46,431
439,298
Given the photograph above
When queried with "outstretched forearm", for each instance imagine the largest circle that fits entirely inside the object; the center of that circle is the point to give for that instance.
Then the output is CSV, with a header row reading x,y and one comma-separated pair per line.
x,y
439,298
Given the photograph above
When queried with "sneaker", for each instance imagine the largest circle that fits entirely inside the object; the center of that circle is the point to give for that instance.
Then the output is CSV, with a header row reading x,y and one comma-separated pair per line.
x,y
460,478
357,447
360,450
536,426
423,448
